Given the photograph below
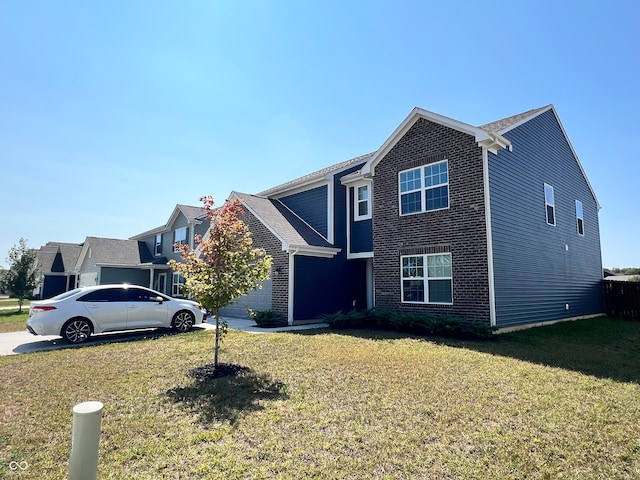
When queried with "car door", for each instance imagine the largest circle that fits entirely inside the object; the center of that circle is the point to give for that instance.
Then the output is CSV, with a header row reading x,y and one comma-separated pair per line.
x,y
106,308
144,310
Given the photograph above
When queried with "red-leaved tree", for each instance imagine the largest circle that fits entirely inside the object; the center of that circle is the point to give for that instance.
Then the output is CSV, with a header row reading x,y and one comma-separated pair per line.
x,y
224,265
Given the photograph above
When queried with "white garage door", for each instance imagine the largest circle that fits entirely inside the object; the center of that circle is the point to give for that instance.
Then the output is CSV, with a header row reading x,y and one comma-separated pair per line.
x,y
258,299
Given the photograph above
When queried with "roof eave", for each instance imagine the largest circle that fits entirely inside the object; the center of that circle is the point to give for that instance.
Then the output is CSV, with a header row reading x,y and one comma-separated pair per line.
x,y
312,251
416,114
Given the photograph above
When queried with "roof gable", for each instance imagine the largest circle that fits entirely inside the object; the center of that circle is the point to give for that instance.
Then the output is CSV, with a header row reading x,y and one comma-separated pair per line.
x,y
491,140
58,257
296,235
510,123
111,251
194,215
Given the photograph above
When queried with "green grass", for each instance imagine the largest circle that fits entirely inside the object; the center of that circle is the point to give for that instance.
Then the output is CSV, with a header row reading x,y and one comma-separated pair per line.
x,y
12,321
553,402
13,302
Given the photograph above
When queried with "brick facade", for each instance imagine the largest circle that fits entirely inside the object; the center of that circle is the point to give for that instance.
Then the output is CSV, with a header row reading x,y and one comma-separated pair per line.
x,y
460,229
263,238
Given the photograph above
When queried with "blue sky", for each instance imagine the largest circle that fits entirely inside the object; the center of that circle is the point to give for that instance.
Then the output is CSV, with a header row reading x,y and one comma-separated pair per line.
x,y
113,112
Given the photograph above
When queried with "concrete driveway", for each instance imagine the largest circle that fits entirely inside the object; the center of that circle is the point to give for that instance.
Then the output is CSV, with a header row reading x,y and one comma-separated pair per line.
x,y
23,342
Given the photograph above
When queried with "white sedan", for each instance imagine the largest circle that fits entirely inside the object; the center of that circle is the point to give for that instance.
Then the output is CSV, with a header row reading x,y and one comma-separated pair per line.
x,y
76,314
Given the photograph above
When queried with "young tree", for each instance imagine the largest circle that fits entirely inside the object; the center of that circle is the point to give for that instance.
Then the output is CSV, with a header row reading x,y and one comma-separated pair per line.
x,y
224,266
21,279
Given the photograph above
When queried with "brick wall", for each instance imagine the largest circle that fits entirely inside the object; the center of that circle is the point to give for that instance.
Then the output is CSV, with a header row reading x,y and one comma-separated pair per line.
x,y
460,229
263,238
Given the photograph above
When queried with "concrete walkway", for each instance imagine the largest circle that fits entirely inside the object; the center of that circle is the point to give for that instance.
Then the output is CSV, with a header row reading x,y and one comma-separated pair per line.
x,y
23,342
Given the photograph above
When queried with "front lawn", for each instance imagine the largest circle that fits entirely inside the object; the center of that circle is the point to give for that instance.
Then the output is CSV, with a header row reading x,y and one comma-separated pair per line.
x,y
13,302
12,321
551,402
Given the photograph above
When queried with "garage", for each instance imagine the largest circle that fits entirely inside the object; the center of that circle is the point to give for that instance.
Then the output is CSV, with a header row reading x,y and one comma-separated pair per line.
x,y
258,299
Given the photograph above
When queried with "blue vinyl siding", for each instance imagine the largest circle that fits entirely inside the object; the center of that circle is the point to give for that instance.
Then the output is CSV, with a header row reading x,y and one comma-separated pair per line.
x,y
362,236
361,231
539,268
324,286
311,206
328,285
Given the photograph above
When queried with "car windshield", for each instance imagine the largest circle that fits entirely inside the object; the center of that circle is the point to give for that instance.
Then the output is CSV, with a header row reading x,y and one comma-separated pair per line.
x,y
64,295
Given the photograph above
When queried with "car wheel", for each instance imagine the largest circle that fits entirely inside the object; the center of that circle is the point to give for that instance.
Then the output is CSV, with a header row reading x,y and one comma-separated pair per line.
x,y
76,330
183,321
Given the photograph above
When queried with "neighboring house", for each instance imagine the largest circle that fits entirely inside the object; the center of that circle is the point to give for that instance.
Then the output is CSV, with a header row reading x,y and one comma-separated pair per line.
x,y
57,264
105,261
183,225
496,223
140,260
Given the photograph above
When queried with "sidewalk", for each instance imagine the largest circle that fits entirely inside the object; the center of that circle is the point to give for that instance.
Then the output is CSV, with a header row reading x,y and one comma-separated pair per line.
x,y
13,343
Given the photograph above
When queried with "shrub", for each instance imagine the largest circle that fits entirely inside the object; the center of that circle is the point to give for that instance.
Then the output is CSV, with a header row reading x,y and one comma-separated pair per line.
x,y
446,326
266,318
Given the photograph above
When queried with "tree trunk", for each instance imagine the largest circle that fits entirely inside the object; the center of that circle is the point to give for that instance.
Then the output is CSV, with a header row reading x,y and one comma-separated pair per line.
x,y
20,301
217,347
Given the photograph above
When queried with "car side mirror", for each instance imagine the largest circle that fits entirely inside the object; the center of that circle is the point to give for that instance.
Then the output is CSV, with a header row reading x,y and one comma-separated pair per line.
x,y
159,300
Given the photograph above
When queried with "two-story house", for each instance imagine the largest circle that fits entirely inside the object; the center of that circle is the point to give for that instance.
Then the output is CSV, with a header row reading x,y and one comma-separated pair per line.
x,y
496,223
183,225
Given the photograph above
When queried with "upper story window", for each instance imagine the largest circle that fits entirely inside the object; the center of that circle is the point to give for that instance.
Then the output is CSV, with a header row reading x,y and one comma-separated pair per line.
x,y
550,204
362,202
579,218
179,237
158,248
424,189
427,279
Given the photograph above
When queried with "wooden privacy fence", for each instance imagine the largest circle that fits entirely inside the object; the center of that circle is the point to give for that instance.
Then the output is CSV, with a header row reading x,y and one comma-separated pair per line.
x,y
622,299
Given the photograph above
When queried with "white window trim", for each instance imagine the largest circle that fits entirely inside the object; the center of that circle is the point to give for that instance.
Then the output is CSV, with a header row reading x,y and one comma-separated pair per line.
x,y
579,218
356,202
181,242
157,252
552,205
423,190
425,279
175,281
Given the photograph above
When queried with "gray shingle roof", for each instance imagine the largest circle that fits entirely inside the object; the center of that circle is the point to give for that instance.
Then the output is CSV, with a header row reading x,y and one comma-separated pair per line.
x,y
282,221
317,175
111,251
499,125
69,254
192,213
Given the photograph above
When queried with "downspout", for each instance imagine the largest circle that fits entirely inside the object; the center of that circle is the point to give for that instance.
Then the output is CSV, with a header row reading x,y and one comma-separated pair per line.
x,y
487,221
291,285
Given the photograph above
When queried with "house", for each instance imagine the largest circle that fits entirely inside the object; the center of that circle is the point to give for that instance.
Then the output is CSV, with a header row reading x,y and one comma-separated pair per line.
x,y
109,260
140,260
182,227
56,262
496,223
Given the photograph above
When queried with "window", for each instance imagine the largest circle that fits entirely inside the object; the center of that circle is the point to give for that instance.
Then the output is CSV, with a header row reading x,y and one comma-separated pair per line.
x,y
427,279
362,203
179,237
158,248
105,295
177,282
579,218
424,189
549,204
140,295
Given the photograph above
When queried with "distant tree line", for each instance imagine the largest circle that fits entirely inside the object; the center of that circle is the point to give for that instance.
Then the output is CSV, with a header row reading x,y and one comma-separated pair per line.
x,y
626,271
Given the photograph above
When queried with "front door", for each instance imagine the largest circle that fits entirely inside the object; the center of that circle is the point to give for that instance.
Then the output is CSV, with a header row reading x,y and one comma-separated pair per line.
x,y
161,283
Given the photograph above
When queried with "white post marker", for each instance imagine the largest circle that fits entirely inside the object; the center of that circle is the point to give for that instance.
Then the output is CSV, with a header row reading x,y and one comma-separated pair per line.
x,y
85,439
